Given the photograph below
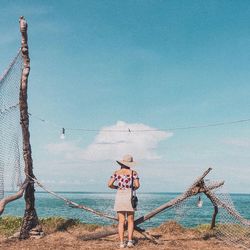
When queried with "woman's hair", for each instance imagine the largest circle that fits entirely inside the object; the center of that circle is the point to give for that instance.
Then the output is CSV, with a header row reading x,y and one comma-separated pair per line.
x,y
123,166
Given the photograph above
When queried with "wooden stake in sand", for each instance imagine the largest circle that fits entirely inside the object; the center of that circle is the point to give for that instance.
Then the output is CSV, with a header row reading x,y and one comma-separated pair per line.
x,y
30,219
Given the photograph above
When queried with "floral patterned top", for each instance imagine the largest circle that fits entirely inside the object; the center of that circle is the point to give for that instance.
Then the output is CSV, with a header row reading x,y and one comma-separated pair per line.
x,y
124,181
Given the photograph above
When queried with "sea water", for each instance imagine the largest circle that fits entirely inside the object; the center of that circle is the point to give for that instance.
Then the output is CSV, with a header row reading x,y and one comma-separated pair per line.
x,y
189,215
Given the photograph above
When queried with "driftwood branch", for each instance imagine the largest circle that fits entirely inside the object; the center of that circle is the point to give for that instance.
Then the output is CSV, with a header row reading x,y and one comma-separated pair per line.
x,y
193,190
216,210
207,193
98,235
147,235
212,187
199,179
12,197
112,231
30,219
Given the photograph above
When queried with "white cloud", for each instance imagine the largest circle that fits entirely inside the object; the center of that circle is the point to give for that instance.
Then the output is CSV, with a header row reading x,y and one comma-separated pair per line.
x,y
67,150
110,145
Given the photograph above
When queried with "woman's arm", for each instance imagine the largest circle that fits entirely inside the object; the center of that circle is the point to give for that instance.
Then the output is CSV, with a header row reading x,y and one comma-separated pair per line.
x,y
136,184
111,183
136,181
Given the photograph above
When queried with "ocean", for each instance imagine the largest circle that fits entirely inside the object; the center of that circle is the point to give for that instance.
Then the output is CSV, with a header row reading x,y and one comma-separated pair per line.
x,y
189,215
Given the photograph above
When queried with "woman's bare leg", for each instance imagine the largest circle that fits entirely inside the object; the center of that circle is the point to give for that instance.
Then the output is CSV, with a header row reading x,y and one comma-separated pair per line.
x,y
122,219
130,225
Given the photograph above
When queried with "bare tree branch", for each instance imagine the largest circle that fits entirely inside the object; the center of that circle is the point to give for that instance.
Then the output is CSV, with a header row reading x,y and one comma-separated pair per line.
x,y
12,197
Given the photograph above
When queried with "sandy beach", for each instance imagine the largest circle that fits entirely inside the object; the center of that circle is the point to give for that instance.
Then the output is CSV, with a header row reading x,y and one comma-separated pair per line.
x,y
171,236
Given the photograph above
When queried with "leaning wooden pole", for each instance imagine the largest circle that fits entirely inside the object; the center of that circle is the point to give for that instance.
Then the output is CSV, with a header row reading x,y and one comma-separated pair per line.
x,y
30,219
216,210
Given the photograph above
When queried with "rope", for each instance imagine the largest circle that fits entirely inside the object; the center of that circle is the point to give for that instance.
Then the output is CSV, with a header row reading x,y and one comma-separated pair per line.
x,y
72,203
129,130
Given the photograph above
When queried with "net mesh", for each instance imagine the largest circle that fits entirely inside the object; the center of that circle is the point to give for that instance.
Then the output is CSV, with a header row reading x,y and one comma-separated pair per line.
x,y
11,160
230,227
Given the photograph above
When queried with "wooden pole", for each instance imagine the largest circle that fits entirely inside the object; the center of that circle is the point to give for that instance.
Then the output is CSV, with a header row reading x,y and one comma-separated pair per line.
x,y
216,210
30,219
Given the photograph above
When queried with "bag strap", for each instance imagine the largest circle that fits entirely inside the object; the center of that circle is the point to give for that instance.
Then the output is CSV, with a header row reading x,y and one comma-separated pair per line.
x,y
132,183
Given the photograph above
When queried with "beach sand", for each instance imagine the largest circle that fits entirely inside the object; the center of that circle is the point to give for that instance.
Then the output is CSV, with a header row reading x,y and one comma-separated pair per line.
x,y
171,235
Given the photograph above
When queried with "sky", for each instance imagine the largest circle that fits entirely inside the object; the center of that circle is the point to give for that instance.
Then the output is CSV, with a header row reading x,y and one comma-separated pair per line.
x,y
138,65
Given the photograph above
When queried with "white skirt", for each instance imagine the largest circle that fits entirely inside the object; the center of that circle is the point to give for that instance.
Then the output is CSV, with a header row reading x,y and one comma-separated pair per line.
x,y
123,201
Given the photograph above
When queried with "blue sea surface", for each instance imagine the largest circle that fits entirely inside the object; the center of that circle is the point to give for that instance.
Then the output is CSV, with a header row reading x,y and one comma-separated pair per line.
x,y
189,215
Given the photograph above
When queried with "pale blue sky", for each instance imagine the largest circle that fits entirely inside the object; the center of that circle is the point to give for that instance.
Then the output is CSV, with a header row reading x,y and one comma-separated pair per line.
x,y
163,64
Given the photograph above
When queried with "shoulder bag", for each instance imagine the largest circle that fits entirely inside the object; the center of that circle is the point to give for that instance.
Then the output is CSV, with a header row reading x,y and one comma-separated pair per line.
x,y
134,199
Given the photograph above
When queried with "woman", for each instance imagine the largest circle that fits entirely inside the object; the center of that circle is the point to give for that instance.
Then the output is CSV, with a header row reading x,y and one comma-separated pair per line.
x,y
122,181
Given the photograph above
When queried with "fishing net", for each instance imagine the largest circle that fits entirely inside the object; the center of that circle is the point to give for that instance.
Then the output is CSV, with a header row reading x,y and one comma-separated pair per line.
x,y
230,227
11,160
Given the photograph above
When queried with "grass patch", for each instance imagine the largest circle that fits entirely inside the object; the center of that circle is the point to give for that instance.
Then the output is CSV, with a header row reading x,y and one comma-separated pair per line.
x,y
206,231
203,228
234,229
224,230
10,224
54,224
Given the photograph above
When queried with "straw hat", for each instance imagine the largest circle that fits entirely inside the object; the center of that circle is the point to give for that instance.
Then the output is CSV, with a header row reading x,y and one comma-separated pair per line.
x,y
127,160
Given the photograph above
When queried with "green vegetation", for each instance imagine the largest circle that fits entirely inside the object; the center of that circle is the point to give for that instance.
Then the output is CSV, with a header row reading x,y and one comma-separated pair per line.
x,y
223,230
10,225
206,231
203,228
